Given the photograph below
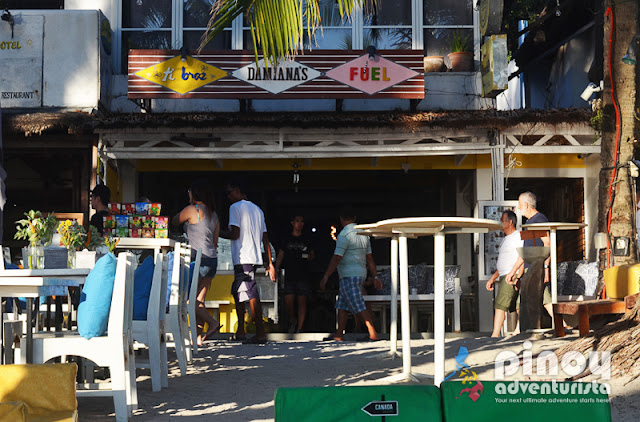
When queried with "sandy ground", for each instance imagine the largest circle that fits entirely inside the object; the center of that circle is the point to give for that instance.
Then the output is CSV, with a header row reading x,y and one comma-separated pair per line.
x,y
230,381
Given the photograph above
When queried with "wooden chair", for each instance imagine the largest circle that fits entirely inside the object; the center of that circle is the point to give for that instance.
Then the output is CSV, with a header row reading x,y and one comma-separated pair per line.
x,y
174,319
113,350
151,332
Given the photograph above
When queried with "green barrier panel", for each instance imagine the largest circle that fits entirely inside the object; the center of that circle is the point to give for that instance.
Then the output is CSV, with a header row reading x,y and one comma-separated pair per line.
x,y
391,403
524,401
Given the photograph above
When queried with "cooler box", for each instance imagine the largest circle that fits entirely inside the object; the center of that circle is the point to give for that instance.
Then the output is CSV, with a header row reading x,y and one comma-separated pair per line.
x,y
523,401
633,280
621,280
365,403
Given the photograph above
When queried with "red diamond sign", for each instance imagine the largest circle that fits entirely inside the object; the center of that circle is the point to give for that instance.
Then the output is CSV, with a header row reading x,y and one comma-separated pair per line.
x,y
371,75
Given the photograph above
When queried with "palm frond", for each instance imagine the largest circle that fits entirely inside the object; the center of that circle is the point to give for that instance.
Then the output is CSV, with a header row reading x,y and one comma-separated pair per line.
x,y
277,26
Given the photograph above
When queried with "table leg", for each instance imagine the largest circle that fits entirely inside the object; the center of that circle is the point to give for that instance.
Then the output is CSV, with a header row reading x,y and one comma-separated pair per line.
x,y
557,324
59,317
2,362
404,305
29,333
554,270
393,332
47,322
438,307
583,315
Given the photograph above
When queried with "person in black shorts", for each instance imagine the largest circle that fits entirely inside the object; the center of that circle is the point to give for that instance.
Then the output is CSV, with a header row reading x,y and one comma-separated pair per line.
x,y
294,256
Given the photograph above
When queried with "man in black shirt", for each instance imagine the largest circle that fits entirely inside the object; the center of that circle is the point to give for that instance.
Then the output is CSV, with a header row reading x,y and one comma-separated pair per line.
x,y
294,256
100,198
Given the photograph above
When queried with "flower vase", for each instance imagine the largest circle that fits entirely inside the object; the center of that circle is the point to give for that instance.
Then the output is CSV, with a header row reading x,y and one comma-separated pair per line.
x,y
71,258
32,256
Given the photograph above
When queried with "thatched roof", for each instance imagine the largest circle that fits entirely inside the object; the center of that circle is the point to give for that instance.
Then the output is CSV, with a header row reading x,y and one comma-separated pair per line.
x,y
29,124
84,124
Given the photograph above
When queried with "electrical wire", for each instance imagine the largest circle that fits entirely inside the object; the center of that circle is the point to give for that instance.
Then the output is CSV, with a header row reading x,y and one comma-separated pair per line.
x,y
611,194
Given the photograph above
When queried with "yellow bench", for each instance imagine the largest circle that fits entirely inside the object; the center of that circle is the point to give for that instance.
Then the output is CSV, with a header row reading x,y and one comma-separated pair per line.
x,y
220,303
38,392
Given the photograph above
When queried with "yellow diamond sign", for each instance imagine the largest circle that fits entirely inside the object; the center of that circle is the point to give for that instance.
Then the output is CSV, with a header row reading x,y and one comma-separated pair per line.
x,y
182,76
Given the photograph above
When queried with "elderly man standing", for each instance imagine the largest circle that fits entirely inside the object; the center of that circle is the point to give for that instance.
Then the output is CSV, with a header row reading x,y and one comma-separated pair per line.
x,y
247,229
351,257
527,205
506,300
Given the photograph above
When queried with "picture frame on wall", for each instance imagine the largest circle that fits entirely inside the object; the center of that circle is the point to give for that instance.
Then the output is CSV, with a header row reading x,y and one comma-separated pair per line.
x,y
488,244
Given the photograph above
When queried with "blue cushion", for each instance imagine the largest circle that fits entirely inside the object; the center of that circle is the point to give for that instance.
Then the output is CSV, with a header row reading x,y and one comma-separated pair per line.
x,y
142,281
95,301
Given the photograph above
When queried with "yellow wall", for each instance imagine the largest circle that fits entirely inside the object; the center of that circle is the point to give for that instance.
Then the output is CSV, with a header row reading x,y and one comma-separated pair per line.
x,y
471,162
114,183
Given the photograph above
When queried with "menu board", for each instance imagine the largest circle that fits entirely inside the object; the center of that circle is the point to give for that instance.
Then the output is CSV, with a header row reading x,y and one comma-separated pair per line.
x,y
489,243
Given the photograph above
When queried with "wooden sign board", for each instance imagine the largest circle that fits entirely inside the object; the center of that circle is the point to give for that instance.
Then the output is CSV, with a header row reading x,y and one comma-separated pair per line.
x,y
318,74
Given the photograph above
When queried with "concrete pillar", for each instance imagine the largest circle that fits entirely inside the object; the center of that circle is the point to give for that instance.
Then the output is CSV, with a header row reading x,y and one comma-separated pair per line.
x,y
484,192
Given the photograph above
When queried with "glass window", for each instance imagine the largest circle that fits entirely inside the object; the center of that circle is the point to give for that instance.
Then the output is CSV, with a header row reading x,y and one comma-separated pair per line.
x,y
146,14
388,13
388,39
437,41
330,15
32,4
196,13
448,12
191,39
144,40
334,35
195,17
387,26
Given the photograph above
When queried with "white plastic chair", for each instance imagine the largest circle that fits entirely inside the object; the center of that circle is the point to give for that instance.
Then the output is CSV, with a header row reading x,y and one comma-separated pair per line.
x,y
174,320
189,317
113,350
151,332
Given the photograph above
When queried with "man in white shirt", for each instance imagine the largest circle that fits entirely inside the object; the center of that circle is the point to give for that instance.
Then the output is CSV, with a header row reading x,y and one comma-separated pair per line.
x,y
247,229
506,300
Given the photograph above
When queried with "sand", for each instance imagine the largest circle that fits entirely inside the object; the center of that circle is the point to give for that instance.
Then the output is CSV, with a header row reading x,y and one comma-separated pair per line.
x,y
230,381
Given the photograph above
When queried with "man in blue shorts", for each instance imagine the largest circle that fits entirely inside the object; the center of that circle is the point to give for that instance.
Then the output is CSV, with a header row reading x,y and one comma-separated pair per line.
x,y
351,257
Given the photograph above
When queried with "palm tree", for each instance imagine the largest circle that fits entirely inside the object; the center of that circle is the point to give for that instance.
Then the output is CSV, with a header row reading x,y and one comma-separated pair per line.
x,y
277,26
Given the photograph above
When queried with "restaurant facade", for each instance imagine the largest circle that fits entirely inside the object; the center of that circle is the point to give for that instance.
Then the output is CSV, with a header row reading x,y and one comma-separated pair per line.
x,y
342,123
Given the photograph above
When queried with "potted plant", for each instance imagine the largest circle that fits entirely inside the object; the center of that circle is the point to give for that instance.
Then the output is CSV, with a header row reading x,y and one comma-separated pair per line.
x,y
38,230
460,58
434,64
80,244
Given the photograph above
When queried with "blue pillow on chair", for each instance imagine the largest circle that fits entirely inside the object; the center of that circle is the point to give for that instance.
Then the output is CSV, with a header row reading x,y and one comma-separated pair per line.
x,y
95,301
142,281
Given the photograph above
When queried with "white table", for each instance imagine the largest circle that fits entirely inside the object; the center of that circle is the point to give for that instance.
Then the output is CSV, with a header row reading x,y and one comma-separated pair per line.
x,y
553,228
146,243
399,229
32,284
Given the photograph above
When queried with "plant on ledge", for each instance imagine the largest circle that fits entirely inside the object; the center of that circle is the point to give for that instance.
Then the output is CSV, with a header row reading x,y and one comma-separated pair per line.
x,y
459,42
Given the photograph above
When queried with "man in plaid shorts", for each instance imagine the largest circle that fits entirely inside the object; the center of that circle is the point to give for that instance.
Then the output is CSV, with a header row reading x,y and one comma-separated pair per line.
x,y
351,258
